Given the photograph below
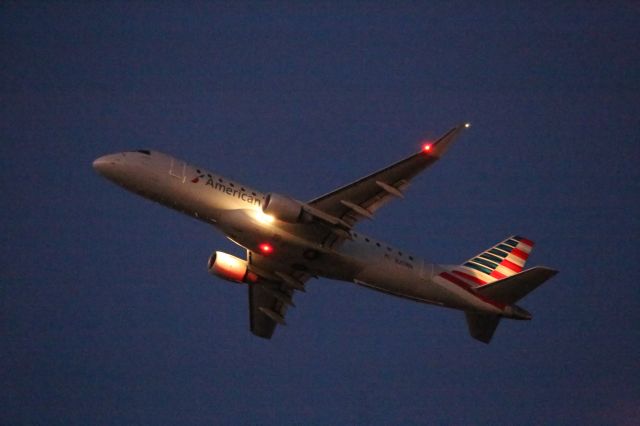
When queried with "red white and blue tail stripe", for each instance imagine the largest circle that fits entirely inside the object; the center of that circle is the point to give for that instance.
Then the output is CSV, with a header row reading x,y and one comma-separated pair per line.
x,y
500,261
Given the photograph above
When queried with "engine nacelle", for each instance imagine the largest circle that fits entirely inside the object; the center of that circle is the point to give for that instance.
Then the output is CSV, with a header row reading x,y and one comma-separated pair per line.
x,y
230,268
284,208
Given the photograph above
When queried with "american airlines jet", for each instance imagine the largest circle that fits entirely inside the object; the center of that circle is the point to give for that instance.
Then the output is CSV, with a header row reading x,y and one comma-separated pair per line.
x,y
289,241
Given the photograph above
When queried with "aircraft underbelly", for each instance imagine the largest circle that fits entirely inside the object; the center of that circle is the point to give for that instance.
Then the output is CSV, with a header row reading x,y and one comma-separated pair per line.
x,y
393,279
397,280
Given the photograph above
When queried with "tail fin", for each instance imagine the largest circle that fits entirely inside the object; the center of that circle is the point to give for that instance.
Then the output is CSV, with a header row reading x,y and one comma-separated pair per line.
x,y
501,261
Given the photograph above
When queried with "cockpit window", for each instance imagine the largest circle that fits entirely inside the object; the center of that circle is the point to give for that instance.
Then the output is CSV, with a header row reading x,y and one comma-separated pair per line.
x,y
144,151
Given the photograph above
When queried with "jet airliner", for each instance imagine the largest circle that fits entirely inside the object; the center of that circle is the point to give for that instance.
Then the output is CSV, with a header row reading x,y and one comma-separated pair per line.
x,y
289,241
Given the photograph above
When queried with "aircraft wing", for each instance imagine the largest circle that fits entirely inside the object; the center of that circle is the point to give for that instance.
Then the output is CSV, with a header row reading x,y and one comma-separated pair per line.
x,y
265,311
269,300
362,198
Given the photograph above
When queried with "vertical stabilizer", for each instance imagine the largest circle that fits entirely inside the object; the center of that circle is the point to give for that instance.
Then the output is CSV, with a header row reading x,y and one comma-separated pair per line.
x,y
501,261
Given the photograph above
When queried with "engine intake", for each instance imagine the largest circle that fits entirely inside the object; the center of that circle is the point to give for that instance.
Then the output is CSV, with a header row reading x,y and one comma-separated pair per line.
x,y
230,268
285,209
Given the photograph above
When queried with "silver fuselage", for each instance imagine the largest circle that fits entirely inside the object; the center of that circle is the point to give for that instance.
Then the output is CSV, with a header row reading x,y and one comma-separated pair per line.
x,y
236,210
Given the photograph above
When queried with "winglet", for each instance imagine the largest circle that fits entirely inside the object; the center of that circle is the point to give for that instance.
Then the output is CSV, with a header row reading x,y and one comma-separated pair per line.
x,y
439,147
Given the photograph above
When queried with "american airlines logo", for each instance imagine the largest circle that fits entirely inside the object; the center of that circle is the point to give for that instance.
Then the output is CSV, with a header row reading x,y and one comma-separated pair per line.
x,y
229,190
200,176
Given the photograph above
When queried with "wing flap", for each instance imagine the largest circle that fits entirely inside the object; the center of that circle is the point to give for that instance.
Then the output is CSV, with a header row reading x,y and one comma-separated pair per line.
x,y
273,315
357,209
392,190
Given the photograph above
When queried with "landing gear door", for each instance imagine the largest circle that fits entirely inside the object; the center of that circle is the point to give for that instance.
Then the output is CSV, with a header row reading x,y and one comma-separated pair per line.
x,y
177,169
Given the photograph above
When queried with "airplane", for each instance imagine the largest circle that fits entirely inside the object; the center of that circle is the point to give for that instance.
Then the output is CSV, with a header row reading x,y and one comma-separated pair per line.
x,y
288,241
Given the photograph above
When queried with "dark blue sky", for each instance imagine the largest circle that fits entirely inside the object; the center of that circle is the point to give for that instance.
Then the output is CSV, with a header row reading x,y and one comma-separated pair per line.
x,y
108,315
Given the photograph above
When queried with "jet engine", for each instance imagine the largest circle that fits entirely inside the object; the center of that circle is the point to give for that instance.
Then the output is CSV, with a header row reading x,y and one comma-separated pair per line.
x,y
230,268
285,209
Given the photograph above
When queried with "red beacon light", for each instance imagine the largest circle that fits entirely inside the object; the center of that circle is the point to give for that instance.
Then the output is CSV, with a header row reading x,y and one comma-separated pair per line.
x,y
266,248
427,147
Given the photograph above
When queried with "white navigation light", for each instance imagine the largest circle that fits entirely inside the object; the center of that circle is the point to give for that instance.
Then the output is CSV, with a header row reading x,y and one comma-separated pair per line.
x,y
467,125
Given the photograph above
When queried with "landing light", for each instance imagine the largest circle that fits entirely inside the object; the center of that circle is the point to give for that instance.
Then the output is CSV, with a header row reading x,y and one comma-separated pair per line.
x,y
265,218
266,248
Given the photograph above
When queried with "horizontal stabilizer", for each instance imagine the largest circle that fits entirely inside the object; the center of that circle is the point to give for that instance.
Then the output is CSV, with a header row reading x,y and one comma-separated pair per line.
x,y
482,326
514,288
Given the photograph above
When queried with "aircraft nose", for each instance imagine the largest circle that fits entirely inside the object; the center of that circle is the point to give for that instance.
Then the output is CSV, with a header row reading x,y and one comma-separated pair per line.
x,y
99,163
104,164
